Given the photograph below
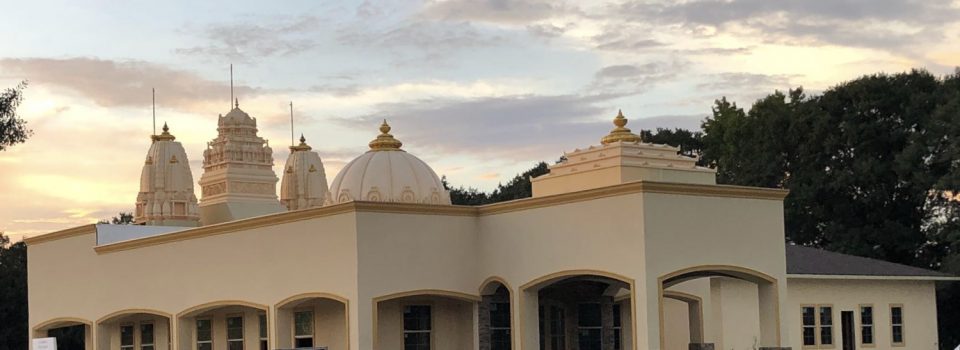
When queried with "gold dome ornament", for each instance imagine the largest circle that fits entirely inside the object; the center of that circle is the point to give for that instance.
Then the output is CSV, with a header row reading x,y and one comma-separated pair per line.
x,y
302,146
164,136
621,133
385,141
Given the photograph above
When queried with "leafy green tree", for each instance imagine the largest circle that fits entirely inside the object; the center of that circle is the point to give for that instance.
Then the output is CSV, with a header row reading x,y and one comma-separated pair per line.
x,y
13,294
121,219
690,142
518,187
13,129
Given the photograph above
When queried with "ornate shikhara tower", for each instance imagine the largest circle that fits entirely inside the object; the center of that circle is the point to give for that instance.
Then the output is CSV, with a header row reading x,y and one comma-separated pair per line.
x,y
238,179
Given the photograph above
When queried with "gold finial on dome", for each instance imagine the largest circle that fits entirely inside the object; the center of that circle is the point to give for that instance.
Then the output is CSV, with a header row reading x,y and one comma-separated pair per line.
x,y
621,133
385,141
302,146
164,136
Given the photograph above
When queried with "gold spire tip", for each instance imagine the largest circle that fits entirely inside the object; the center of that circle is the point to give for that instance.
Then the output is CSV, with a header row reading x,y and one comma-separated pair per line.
x,y
165,135
385,141
620,133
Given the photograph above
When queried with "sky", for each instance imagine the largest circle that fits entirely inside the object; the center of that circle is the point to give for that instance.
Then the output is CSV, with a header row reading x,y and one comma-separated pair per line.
x,y
480,90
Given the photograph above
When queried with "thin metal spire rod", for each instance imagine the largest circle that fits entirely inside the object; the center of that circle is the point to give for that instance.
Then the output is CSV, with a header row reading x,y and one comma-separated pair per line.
x,y
291,124
153,93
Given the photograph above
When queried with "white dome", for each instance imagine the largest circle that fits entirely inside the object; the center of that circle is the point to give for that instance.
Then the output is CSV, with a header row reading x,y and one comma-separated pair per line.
x,y
388,174
304,183
166,195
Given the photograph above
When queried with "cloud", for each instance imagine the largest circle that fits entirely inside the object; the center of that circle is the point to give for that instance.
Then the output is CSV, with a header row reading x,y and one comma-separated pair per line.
x,y
512,12
418,40
736,81
635,78
111,83
884,24
518,127
250,41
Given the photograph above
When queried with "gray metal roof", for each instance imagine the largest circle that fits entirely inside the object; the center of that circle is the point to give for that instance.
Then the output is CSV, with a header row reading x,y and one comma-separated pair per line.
x,y
813,261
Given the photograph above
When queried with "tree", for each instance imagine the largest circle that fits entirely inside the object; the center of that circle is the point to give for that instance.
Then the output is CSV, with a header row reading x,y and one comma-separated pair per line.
x,y
13,294
690,142
121,219
13,130
518,187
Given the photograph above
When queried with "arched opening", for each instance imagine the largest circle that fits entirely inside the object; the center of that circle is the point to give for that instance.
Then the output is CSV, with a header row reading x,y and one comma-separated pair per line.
x,y
134,330
583,310
424,320
71,333
495,315
683,319
733,295
313,320
224,325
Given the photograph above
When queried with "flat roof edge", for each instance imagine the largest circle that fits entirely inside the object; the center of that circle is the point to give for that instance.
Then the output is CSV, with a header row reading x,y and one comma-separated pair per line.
x,y
871,277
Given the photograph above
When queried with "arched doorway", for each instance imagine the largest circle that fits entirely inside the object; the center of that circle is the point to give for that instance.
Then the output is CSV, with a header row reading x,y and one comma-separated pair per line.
x,y
313,320
134,329
495,315
755,299
683,319
584,310
424,319
224,325
71,333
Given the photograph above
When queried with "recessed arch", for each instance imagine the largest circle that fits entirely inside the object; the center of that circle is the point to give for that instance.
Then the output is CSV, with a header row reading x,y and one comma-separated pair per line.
x,y
220,303
695,307
286,302
61,322
459,296
489,283
534,285
762,280
124,312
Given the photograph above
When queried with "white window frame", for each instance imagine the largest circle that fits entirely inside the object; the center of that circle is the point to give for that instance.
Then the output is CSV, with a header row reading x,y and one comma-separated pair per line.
x,y
196,334
872,326
133,336
313,322
140,335
226,325
428,332
903,328
818,327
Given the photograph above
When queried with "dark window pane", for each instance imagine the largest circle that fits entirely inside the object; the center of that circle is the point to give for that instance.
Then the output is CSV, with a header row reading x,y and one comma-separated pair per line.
x,y
589,315
826,335
616,315
500,315
898,334
500,339
203,330
809,336
234,328
303,342
262,320
263,345
146,347
896,315
205,346
826,316
235,345
126,335
416,318
866,335
416,341
146,333
617,338
590,339
866,315
809,317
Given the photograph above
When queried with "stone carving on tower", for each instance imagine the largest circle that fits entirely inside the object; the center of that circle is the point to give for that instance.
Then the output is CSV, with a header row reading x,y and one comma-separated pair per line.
x,y
166,195
238,180
304,183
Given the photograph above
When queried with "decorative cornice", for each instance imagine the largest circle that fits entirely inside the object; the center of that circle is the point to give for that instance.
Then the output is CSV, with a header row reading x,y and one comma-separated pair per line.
x,y
67,233
424,209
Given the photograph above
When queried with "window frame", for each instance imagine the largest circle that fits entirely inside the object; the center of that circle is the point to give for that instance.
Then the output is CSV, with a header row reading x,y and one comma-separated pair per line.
x,y
430,332
226,327
581,327
818,327
133,335
494,329
139,335
617,321
313,327
872,325
263,330
196,333
902,325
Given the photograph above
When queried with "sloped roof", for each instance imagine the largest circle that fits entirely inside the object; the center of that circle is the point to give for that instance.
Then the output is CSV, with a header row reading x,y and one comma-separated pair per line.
x,y
813,261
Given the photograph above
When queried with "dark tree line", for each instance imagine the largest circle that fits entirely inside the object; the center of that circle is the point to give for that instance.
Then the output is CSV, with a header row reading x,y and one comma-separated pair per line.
x,y
872,165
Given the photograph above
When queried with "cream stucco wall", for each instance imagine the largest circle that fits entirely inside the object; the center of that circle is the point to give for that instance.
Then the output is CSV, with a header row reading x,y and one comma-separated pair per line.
x,y
314,255
451,326
676,321
917,297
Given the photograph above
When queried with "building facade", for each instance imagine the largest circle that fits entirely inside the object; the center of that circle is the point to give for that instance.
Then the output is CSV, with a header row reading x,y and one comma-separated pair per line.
x,y
624,245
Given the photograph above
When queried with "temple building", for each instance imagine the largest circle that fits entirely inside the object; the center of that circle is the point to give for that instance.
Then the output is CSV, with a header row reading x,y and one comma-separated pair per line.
x,y
625,245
